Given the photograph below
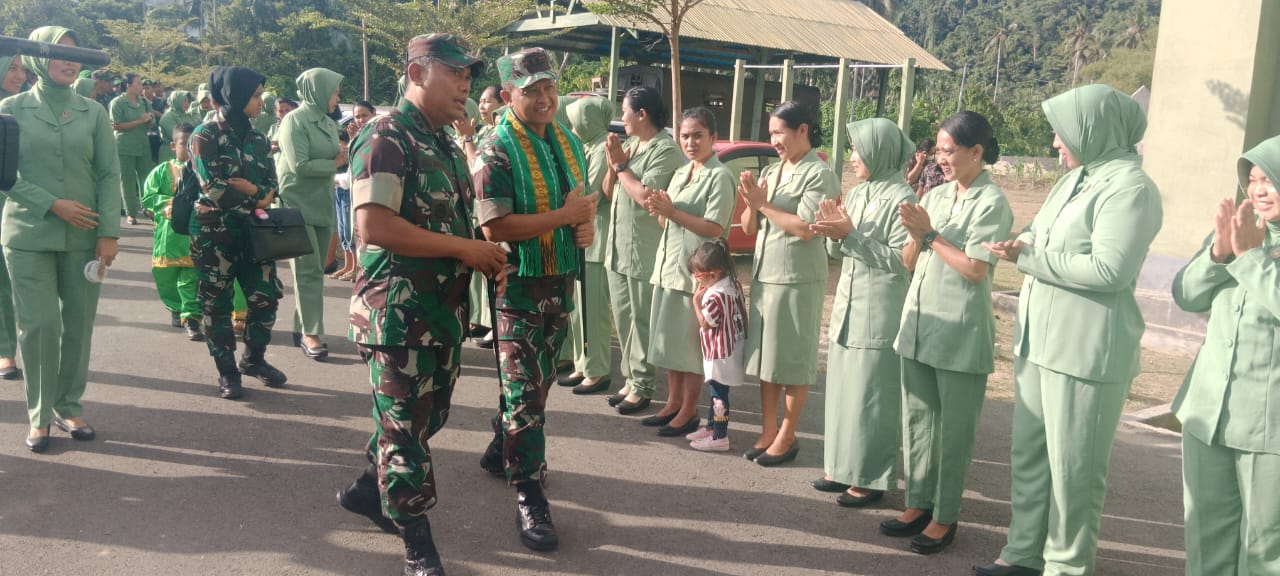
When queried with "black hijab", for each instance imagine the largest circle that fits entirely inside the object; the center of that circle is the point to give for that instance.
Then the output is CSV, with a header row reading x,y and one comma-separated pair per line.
x,y
231,88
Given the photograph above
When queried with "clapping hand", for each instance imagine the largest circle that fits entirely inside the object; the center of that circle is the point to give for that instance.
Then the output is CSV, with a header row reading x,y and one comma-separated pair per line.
x,y
1008,250
466,127
659,204
1248,232
751,190
833,222
915,219
1223,230
615,152
580,209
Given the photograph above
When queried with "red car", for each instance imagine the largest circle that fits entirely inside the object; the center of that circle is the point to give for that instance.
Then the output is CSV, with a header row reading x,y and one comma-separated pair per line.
x,y
739,156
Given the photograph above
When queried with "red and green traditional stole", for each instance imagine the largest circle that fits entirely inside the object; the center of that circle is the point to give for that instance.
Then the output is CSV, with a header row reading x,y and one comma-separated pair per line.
x,y
537,190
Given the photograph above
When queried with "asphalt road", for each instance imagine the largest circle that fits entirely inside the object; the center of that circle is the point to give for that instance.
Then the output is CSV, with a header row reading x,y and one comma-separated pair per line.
x,y
182,482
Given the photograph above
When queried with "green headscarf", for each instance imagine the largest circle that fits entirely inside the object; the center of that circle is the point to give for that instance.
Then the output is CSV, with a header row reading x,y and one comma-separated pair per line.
x,y
882,147
52,35
177,99
590,117
202,92
5,62
1097,123
268,100
315,87
473,110
1266,155
563,104
85,86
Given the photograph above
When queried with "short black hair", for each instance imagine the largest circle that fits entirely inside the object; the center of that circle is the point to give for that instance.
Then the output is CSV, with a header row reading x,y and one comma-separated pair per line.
x,y
651,101
795,114
366,105
497,88
971,129
703,115
710,256
287,102
926,145
184,128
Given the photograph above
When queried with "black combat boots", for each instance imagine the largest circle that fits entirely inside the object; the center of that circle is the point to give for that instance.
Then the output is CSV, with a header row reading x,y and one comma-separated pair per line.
x,y
254,363
533,517
420,555
362,497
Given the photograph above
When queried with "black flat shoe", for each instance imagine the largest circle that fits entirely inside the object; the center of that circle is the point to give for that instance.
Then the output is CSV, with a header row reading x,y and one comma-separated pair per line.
x,y
657,420
297,339
194,333
600,386
628,407
84,434
11,373
689,427
767,460
753,453
564,366
487,344
824,485
39,444
998,570
478,332
893,528
571,379
316,354
922,544
615,399
847,500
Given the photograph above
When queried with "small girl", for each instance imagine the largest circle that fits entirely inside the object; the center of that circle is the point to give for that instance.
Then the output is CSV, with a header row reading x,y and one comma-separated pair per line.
x,y
722,319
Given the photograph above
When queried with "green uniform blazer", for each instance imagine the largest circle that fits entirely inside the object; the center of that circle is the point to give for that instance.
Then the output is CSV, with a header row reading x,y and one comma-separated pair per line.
x,y
72,157
867,308
633,233
781,258
1077,314
134,141
947,321
710,195
1231,392
308,141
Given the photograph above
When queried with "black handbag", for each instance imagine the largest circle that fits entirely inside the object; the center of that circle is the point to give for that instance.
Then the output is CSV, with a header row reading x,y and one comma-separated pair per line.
x,y
280,236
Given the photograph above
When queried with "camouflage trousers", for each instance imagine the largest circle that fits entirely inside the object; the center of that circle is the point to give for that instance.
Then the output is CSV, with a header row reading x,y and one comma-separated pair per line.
x,y
220,250
528,343
411,392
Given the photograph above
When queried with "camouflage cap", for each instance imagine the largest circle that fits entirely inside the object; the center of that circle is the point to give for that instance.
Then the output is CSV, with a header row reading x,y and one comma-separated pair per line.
x,y
450,49
526,67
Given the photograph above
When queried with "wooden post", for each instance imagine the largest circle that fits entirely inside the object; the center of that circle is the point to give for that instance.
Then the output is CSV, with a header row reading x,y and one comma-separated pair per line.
x,y
615,44
735,112
788,79
757,105
908,95
838,135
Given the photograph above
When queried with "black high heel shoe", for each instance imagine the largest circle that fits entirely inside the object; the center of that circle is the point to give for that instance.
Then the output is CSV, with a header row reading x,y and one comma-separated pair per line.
x,y
83,434
767,460
897,529
615,399
922,544
39,444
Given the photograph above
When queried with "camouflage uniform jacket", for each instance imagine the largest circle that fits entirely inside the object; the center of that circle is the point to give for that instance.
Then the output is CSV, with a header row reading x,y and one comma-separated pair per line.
x,y
494,192
401,162
220,155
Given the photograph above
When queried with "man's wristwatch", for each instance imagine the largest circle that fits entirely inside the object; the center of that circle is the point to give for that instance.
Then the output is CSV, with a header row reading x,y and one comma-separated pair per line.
x,y
620,168
469,139
928,239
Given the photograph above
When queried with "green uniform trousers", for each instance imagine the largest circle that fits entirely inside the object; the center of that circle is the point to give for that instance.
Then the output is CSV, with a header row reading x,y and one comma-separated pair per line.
x,y
220,250
308,283
863,416
528,344
8,316
177,288
1232,510
594,357
56,307
1063,428
941,408
412,388
133,172
632,300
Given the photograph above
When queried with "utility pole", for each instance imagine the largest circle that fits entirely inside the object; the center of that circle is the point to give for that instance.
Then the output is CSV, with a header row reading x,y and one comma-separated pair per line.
x,y
364,48
960,97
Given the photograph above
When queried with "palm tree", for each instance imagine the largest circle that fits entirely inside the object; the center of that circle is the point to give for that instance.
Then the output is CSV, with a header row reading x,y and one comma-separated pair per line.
x,y
1000,34
1133,34
1077,40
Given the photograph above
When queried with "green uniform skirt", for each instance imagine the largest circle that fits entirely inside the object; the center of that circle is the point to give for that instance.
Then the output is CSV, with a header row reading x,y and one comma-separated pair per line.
x,y
673,332
783,332
863,427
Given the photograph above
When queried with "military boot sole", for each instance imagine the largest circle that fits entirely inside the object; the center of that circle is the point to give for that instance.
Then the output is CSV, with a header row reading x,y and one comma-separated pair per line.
x,y
373,511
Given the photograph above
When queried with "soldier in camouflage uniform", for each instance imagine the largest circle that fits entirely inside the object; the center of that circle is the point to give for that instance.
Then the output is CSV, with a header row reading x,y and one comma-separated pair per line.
x,y
414,244
236,176
529,187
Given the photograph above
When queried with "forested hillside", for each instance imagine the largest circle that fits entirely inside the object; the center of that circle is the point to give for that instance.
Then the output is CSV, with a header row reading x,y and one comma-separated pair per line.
x,y
1017,52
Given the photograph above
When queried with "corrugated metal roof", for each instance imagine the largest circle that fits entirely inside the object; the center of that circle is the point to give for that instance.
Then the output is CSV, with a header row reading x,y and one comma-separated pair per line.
x,y
835,28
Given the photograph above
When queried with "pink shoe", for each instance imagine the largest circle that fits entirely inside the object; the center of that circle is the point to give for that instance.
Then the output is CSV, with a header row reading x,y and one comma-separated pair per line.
x,y
709,445
698,434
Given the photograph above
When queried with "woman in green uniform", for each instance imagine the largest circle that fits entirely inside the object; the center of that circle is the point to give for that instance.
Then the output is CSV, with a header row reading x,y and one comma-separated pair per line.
x,y
131,117
61,214
593,357
789,276
308,141
1079,330
264,121
1227,405
947,336
12,77
179,100
697,206
864,389
639,167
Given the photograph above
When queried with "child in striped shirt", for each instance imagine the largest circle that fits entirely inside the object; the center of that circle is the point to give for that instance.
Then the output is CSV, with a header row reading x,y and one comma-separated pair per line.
x,y
722,319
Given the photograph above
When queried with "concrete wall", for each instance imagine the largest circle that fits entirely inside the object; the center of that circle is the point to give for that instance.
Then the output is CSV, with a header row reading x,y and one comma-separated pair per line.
x,y
1213,96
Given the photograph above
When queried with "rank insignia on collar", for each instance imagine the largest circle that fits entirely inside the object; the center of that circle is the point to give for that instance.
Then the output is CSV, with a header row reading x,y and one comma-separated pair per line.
x,y
66,115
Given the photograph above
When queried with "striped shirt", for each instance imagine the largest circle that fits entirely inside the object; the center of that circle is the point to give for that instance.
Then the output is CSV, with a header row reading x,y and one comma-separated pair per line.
x,y
725,312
